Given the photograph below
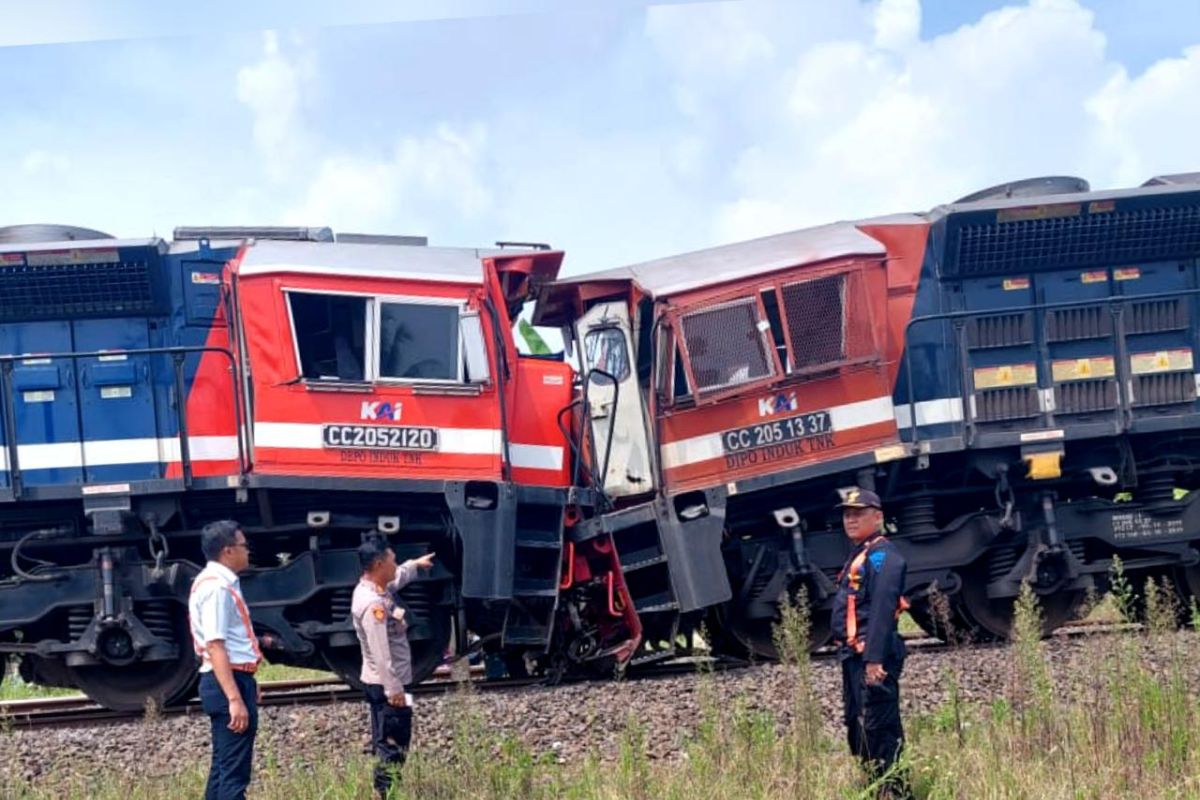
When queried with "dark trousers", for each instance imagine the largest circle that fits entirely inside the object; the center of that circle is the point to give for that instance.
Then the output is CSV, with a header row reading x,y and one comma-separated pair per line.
x,y
391,733
872,714
232,753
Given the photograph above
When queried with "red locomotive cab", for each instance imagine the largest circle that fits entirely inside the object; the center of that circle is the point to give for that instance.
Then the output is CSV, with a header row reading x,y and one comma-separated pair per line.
x,y
384,361
719,383
767,356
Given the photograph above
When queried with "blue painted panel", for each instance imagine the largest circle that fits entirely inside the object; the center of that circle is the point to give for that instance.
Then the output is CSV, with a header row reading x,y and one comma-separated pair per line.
x,y
116,402
1178,327
47,418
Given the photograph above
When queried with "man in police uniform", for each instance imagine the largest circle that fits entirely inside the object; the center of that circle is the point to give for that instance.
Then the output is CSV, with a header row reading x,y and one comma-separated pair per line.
x,y
387,660
224,640
868,602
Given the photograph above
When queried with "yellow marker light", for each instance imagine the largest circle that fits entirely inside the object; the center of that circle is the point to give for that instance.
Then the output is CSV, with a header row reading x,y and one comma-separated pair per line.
x,y
1043,466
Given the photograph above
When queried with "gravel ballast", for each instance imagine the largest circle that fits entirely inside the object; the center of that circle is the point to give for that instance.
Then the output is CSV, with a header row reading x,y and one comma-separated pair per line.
x,y
568,722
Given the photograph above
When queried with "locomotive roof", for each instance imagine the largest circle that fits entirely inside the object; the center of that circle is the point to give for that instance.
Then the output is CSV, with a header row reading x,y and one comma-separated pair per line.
x,y
113,244
1183,183
716,265
78,244
444,264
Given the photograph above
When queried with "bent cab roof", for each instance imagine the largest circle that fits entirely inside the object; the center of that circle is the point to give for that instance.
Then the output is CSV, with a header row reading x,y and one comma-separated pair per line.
x,y
716,265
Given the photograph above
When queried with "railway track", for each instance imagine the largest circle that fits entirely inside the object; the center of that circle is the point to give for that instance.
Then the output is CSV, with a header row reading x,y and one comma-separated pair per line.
x,y
61,712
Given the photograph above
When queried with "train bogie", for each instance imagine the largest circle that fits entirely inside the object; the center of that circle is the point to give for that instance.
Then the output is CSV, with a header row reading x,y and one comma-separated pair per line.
x,y
311,389
1013,373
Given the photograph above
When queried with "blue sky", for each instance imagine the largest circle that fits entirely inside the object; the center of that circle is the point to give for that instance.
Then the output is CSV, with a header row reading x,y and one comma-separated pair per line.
x,y
618,130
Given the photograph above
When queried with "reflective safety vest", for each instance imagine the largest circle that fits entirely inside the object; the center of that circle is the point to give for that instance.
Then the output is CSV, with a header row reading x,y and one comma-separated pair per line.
x,y
854,575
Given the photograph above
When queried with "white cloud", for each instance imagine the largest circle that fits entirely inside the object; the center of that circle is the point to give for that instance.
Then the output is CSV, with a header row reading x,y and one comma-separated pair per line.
x,y
897,24
861,116
1149,124
425,186
272,89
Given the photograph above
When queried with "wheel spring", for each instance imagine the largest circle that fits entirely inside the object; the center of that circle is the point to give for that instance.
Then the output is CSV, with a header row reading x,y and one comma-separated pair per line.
x,y
1157,489
340,601
917,517
156,616
78,619
1003,559
418,601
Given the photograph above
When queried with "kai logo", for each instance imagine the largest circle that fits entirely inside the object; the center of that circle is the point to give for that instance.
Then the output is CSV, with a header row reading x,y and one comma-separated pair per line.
x,y
777,404
381,411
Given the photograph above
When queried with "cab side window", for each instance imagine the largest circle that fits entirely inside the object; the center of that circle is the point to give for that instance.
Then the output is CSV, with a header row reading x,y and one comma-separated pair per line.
x,y
330,335
419,342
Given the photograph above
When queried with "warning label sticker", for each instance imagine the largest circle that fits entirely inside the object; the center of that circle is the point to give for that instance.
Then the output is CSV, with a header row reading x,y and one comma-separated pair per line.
x,y
1081,369
1006,375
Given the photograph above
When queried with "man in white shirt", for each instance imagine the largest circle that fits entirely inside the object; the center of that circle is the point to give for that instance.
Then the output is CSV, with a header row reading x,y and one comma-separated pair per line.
x,y
224,640
387,660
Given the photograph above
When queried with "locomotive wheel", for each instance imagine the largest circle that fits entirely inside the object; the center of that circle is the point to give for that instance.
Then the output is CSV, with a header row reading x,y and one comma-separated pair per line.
x,y
128,687
427,654
734,635
986,619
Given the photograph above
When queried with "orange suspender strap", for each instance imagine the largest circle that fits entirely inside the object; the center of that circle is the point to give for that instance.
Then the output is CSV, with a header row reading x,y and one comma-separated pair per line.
x,y
243,612
852,602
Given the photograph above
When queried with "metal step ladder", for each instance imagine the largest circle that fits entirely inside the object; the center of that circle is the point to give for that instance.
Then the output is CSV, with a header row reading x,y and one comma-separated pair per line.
x,y
537,564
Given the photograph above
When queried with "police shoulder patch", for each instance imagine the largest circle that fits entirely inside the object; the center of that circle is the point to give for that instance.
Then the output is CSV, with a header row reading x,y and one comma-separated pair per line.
x,y
380,614
877,558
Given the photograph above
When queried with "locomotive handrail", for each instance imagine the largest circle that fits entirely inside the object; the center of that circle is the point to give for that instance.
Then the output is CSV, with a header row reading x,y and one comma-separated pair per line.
x,y
1113,301
178,354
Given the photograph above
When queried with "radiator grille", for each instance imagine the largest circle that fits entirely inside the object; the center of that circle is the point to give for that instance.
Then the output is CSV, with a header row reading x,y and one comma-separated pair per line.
x,y
1163,389
1152,316
62,291
1086,239
1073,324
1000,330
1085,397
1009,403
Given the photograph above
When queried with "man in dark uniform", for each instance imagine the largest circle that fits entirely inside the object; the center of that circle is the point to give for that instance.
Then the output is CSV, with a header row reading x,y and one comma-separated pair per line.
x,y
868,602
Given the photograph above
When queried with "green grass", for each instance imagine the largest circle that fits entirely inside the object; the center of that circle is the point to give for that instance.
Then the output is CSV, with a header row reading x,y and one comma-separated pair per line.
x,y
14,688
1127,726
281,672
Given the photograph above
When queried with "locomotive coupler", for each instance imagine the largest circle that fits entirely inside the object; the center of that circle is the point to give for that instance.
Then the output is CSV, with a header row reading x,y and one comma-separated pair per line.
x,y
802,571
1050,563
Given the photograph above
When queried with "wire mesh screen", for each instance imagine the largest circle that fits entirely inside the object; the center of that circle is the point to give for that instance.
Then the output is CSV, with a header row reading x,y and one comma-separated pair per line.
x,y
1121,237
65,290
726,346
821,332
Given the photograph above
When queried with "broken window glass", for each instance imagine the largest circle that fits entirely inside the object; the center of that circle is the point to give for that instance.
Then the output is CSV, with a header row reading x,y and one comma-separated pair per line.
x,y
605,350
816,321
726,346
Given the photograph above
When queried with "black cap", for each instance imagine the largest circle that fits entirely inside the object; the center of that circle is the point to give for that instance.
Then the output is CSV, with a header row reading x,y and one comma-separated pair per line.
x,y
861,498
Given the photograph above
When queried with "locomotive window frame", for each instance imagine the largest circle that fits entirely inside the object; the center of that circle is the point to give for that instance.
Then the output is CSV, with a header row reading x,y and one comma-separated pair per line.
x,y
458,305
367,332
372,317
856,276
742,297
